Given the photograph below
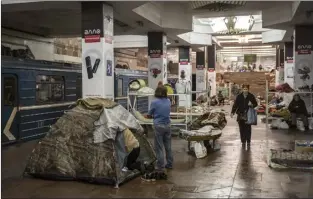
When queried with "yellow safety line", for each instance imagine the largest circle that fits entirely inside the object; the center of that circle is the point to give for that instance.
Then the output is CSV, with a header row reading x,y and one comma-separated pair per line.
x,y
6,130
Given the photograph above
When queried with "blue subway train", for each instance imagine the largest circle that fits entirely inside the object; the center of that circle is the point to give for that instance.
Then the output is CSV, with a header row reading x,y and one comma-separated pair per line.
x,y
36,93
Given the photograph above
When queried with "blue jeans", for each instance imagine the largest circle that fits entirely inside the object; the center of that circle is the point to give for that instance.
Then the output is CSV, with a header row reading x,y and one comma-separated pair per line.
x,y
163,138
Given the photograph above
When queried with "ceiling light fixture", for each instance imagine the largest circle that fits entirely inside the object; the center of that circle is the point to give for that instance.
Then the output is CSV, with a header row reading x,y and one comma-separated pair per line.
x,y
255,40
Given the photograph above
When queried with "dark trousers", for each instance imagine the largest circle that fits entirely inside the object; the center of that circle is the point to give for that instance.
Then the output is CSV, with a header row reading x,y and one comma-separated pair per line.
x,y
245,132
132,159
221,101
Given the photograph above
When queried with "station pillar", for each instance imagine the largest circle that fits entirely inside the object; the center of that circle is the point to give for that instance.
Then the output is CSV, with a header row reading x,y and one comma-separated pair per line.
x,y
185,75
303,63
157,59
97,50
211,55
201,71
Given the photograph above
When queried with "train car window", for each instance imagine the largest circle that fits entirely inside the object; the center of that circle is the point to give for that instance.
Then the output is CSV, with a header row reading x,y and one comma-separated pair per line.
x,y
9,88
79,87
120,87
49,89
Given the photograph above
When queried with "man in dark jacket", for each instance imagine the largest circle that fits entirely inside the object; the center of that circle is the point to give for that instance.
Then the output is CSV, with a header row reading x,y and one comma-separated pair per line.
x,y
297,108
243,102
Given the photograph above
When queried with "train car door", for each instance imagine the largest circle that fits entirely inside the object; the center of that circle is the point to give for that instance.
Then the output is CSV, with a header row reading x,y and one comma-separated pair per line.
x,y
9,103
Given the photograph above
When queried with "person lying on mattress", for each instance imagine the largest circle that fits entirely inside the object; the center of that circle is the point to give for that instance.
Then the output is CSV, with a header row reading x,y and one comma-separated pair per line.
x,y
133,148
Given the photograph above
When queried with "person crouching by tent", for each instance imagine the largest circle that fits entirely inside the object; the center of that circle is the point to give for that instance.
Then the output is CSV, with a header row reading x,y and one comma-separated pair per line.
x,y
242,103
160,110
133,148
297,108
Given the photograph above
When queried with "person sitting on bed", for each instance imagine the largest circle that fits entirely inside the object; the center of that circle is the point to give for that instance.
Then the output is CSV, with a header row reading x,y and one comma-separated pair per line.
x,y
297,108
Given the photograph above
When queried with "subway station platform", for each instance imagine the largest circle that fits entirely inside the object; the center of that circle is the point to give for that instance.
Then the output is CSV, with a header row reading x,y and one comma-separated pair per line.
x,y
229,173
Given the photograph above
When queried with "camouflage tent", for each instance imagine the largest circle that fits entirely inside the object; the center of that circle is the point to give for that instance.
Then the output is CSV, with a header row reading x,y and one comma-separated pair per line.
x,y
86,143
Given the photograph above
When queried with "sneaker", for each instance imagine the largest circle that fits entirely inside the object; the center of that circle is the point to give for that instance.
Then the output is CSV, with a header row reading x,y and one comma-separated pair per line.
x,y
145,178
248,144
125,169
168,167
148,177
243,145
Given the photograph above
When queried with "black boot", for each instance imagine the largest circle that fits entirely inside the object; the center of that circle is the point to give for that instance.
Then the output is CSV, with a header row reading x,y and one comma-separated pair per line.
x,y
293,126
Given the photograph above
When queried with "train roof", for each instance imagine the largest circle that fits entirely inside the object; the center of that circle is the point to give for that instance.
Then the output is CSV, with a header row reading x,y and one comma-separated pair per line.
x,y
10,62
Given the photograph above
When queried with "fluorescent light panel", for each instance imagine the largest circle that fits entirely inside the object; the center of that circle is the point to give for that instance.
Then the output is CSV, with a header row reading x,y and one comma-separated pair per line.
x,y
248,50
245,47
225,52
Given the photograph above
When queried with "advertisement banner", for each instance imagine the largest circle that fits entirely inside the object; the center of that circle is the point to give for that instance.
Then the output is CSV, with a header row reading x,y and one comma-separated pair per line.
x,y
289,65
184,74
281,58
277,59
303,59
212,83
289,74
184,55
155,44
289,52
157,63
97,50
200,72
211,55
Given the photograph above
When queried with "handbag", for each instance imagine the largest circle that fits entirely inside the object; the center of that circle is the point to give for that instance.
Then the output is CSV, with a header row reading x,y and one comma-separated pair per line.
x,y
252,117
242,116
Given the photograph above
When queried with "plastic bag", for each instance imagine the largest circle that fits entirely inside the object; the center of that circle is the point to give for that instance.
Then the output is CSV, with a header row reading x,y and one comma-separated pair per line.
x,y
200,150
283,125
275,123
300,125
252,117
310,119
146,90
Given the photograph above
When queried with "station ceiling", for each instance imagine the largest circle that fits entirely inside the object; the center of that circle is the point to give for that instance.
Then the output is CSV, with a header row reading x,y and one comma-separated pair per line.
x,y
63,19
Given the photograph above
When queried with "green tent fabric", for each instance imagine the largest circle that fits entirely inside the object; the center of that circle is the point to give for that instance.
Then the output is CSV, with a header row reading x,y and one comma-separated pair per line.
x,y
69,152
96,103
